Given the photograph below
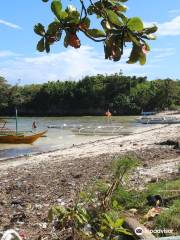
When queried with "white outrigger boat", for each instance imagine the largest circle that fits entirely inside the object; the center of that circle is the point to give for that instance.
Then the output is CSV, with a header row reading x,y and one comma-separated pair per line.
x,y
159,120
104,130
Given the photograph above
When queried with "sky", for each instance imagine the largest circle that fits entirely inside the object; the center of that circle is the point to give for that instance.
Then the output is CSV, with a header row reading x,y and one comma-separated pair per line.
x,y
21,63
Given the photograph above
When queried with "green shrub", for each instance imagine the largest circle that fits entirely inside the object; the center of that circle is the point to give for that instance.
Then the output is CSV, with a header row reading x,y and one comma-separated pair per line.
x,y
169,218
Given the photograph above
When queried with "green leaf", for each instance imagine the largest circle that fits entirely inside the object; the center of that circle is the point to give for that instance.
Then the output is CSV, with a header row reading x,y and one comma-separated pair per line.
x,y
124,231
123,17
142,58
53,27
59,210
41,45
73,17
134,39
56,8
135,24
47,46
63,15
108,221
45,0
134,56
151,37
86,21
137,55
106,25
117,55
113,18
66,40
96,33
80,220
50,215
147,47
119,222
100,234
122,8
149,30
115,204
39,29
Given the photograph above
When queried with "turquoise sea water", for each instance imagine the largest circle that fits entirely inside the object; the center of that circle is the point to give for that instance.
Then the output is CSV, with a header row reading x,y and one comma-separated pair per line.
x,y
66,134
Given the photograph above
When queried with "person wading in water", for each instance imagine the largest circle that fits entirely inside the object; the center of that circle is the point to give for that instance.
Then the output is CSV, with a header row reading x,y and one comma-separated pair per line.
x,y
108,114
34,126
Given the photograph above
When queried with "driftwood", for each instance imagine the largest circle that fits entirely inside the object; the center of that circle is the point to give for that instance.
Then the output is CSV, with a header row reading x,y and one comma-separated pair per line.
x,y
136,227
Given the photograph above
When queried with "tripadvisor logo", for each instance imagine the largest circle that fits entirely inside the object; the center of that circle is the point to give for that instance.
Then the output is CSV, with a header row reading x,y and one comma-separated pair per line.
x,y
139,231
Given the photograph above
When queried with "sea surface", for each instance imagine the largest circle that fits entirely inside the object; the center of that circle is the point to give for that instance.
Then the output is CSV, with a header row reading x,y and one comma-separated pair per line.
x,y
65,132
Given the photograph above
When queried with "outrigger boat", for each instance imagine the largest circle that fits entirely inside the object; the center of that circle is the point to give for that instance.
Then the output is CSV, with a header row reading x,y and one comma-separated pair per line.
x,y
15,137
159,120
20,138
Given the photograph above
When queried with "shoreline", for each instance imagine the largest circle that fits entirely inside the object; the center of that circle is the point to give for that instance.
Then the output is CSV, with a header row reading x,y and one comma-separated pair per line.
x,y
39,182
20,160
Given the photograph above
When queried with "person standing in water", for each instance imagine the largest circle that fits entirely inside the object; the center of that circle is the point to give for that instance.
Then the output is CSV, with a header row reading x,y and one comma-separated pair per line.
x,y
108,114
34,126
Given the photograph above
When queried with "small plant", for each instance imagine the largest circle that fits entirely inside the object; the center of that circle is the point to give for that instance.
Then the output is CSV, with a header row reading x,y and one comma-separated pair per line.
x,y
95,214
121,168
89,221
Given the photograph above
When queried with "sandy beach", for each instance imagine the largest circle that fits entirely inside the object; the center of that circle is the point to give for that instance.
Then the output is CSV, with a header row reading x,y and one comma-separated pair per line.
x,y
37,182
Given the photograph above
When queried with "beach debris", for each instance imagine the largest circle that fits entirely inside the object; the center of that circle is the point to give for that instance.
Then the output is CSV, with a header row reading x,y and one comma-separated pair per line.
x,y
133,211
11,235
153,180
155,200
77,175
61,201
18,218
56,224
38,206
22,234
17,203
153,212
43,225
158,201
171,143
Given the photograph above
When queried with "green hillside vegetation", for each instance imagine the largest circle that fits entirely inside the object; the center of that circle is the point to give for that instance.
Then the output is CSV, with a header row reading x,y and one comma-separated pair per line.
x,y
93,95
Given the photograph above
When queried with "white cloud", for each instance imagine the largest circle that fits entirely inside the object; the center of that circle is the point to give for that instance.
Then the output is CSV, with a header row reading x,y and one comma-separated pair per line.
x,y
7,53
9,24
171,28
69,64
161,53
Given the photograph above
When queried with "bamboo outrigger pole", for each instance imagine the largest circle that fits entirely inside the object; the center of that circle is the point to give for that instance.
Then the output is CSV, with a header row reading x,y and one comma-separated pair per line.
x,y
16,121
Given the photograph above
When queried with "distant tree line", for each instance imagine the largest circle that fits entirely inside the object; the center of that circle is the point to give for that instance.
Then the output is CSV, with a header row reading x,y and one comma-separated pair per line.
x,y
92,95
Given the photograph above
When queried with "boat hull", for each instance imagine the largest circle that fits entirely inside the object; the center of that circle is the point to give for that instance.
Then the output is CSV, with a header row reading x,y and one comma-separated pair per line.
x,y
160,120
20,139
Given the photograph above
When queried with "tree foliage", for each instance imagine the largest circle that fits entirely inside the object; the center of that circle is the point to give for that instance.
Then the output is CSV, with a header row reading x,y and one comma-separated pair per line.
x,y
115,30
3,92
92,95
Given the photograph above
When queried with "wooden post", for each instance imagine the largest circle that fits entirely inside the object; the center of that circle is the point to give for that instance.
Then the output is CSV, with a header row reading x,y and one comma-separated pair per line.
x,y
16,121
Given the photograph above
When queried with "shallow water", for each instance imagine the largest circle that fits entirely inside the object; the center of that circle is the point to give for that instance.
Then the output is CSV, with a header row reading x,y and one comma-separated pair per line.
x,y
64,136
